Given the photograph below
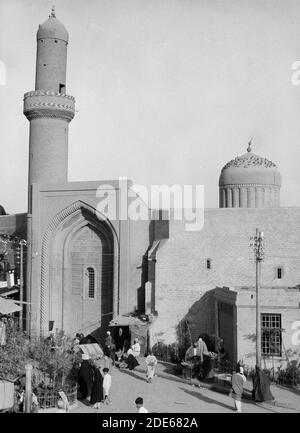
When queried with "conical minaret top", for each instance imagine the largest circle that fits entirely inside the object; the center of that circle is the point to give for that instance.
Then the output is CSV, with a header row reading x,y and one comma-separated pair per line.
x,y
52,40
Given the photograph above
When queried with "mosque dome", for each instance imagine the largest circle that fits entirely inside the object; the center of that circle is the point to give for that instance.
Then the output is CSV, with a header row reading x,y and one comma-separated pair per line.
x,y
249,180
52,29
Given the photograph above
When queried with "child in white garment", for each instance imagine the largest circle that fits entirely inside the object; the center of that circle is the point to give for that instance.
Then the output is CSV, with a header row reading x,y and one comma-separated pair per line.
x,y
139,402
106,385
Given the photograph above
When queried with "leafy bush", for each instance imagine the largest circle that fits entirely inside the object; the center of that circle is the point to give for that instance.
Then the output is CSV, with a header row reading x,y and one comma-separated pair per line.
x,y
289,376
52,361
168,352
14,355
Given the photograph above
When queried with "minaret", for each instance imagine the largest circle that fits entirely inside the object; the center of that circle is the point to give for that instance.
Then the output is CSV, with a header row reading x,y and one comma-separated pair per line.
x,y
48,108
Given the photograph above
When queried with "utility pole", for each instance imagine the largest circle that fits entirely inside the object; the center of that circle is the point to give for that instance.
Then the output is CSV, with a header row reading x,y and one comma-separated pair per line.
x,y
28,388
259,256
22,244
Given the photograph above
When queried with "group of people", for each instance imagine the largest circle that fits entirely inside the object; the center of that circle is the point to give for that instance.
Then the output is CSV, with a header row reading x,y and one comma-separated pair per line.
x,y
94,381
261,386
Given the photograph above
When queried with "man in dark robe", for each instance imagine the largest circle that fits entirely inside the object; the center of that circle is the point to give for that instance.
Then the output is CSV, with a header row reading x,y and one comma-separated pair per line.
x,y
261,386
97,390
85,377
107,344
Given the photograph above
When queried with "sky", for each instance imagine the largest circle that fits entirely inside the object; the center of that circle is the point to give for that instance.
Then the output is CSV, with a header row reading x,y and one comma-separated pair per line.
x,y
167,91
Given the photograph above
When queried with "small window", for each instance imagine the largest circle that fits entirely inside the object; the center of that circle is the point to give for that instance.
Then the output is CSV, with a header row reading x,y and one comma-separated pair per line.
x,y
208,264
90,283
62,88
279,273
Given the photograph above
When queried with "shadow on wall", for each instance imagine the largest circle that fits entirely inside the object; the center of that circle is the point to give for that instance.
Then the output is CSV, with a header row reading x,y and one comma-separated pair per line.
x,y
200,319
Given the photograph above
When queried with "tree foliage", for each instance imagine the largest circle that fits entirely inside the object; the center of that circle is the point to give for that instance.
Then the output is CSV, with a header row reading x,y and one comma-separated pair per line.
x,y
52,359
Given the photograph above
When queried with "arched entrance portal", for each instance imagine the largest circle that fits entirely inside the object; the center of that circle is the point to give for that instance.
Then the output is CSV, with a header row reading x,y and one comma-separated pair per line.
x,y
82,272
91,260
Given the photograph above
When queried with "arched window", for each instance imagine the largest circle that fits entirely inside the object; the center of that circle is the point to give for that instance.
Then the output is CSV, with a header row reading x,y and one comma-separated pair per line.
x,y
90,283
279,272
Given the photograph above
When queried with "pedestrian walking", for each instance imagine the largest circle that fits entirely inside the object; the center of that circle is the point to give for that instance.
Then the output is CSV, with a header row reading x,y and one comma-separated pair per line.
x,y
139,402
151,363
97,389
238,379
106,385
107,343
261,386
85,377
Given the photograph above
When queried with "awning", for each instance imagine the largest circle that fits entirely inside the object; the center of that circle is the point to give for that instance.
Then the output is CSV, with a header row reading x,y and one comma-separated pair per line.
x,y
93,350
5,291
7,306
126,321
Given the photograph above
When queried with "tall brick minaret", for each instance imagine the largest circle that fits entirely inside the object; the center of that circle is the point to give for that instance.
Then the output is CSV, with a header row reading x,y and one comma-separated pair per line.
x,y
48,108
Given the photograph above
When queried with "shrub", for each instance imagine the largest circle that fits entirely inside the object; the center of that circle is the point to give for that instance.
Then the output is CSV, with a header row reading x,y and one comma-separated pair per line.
x,y
52,365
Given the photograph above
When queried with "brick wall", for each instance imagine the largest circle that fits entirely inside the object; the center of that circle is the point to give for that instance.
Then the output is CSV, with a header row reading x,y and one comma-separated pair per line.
x,y
182,279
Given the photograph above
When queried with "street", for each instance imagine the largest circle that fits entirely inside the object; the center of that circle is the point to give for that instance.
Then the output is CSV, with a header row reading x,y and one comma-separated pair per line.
x,y
167,396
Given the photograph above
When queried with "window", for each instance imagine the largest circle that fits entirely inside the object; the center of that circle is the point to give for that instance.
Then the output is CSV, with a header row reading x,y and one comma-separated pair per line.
x,y
208,263
62,88
279,273
271,338
90,283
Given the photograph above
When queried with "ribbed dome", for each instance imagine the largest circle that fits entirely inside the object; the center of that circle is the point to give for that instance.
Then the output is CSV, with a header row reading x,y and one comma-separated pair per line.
x,y
249,181
53,29
250,169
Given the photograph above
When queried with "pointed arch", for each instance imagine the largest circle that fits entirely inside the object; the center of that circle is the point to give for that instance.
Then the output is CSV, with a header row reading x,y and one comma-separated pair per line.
x,y
78,210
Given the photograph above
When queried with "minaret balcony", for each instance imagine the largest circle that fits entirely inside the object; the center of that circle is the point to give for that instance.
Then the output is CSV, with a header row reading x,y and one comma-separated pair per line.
x,y
44,103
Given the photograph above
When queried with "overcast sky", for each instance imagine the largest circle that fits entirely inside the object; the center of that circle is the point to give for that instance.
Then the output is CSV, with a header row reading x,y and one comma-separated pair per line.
x,y
167,91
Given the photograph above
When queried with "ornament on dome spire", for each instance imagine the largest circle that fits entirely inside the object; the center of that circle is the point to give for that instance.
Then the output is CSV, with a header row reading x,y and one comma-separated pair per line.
x,y
53,15
249,145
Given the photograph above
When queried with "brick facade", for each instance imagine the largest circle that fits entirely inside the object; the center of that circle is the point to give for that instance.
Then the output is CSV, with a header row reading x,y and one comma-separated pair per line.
x,y
185,287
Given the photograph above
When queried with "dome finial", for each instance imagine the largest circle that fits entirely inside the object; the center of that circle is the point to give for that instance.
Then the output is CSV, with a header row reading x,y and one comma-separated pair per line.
x,y
52,12
249,145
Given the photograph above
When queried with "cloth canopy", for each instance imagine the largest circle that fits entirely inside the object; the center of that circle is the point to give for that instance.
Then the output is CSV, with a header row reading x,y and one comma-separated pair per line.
x,y
7,306
93,350
127,321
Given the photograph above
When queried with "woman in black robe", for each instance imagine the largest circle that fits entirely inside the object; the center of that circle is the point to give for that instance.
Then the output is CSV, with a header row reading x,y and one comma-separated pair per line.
x,y
261,386
85,377
131,362
97,390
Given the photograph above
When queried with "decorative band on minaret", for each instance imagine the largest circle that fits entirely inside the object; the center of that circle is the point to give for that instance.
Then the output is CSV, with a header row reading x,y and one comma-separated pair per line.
x,y
48,108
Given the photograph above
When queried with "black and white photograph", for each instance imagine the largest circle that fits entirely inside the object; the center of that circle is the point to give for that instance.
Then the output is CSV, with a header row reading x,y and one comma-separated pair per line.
x,y
149,209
